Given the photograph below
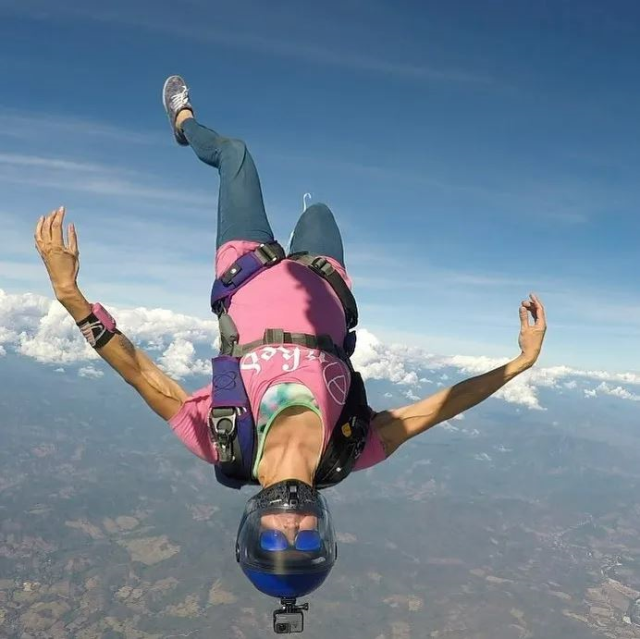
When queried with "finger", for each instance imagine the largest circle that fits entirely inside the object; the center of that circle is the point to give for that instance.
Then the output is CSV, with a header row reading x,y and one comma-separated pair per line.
x,y
73,239
528,305
46,227
531,307
524,318
540,316
56,227
38,233
535,299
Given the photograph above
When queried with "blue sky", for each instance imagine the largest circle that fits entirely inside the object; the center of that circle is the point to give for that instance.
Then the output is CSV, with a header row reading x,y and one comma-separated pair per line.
x,y
472,152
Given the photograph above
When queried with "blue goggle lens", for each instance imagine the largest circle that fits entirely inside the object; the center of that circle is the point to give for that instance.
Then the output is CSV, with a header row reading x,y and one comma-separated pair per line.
x,y
275,541
308,540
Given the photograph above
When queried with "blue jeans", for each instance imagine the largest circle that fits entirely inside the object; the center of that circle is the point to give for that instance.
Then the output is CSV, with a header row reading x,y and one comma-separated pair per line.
x,y
241,212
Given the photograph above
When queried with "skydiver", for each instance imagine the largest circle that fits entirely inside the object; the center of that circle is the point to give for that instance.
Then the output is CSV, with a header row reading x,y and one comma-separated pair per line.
x,y
295,318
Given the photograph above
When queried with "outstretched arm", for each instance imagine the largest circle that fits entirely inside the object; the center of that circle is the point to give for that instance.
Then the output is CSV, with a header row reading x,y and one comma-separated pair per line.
x,y
162,394
394,427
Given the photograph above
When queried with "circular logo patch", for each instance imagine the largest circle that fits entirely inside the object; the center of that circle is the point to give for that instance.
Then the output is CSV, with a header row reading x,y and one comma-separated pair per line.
x,y
336,382
225,381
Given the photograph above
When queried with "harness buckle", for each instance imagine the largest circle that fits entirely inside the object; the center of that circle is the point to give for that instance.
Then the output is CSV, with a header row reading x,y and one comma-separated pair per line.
x,y
228,276
223,431
268,254
322,266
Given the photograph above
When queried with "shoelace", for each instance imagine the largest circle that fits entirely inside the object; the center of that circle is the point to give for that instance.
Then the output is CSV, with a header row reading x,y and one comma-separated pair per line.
x,y
180,99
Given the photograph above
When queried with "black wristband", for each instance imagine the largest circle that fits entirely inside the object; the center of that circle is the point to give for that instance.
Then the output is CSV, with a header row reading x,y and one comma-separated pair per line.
x,y
95,331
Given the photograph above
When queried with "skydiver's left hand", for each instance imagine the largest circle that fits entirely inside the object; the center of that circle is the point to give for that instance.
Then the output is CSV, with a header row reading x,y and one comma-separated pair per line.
x,y
62,261
532,335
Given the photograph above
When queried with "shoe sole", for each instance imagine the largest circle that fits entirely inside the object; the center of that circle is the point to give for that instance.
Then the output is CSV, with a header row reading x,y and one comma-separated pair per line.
x,y
164,93
166,108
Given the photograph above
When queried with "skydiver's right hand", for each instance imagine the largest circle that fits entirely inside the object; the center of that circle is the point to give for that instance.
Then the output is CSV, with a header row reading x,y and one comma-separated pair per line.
x,y
62,261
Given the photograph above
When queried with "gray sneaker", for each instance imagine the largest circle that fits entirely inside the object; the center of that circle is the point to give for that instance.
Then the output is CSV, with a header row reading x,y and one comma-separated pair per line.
x,y
175,97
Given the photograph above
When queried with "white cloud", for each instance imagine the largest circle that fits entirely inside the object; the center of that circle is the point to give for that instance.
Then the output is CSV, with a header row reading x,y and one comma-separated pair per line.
x,y
617,391
179,360
37,327
522,390
543,376
377,361
605,376
410,395
482,457
446,425
56,339
90,372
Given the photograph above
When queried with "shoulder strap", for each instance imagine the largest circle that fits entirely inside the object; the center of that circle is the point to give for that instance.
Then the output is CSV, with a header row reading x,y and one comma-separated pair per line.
x,y
323,268
244,269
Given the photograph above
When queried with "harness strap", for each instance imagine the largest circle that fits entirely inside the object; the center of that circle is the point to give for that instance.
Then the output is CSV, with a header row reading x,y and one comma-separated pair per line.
x,y
323,268
242,270
233,434
231,426
349,437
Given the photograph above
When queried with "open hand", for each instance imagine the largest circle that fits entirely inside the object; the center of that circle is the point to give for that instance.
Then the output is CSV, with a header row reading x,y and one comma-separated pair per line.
x,y
532,335
62,261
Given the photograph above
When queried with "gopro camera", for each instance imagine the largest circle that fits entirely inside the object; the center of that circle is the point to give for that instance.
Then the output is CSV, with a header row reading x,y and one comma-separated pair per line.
x,y
287,622
289,618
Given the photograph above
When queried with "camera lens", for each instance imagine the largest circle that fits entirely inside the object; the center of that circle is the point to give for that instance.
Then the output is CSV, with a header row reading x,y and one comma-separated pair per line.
x,y
282,628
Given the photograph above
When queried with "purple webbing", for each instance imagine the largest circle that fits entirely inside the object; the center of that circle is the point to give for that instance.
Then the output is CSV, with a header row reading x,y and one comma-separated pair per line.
x,y
249,265
227,386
